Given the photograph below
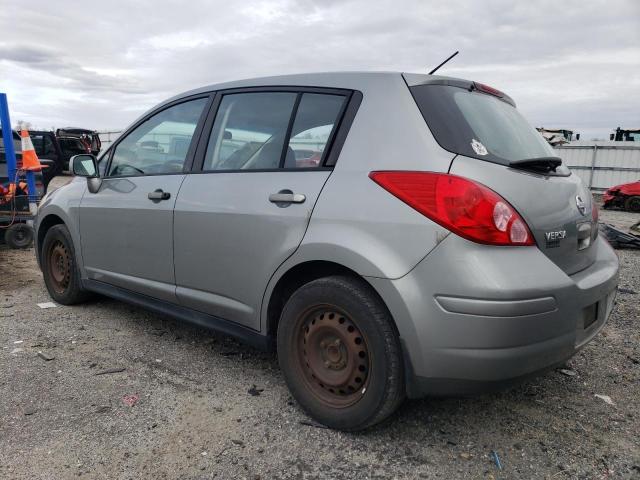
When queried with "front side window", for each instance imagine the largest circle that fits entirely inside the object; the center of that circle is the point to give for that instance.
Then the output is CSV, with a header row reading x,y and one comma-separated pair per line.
x,y
160,144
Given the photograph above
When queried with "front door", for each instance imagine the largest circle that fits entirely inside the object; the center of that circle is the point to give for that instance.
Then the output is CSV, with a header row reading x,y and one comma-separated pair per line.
x,y
126,228
247,211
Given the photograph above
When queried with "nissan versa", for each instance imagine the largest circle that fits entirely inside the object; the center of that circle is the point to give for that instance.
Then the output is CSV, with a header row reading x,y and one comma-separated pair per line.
x,y
391,234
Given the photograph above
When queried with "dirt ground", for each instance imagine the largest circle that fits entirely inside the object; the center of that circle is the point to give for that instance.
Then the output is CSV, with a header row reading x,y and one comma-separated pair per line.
x,y
181,402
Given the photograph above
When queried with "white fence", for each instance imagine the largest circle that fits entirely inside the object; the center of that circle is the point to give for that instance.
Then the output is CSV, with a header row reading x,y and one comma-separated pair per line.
x,y
108,137
602,165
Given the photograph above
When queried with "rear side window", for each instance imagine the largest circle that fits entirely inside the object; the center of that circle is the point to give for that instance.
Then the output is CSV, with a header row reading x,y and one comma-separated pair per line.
x,y
272,130
478,125
316,119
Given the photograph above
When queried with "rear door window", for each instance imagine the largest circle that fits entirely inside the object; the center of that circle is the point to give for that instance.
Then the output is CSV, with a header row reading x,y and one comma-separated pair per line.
x,y
479,125
316,119
272,130
250,131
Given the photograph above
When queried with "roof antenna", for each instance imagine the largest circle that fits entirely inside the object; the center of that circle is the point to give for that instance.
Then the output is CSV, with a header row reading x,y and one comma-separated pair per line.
x,y
436,69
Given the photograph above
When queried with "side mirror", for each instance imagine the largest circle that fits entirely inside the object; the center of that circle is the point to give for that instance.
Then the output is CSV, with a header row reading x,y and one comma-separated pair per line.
x,y
84,165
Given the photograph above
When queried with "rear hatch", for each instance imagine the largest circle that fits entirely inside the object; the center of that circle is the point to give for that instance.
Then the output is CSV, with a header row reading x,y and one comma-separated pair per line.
x,y
494,145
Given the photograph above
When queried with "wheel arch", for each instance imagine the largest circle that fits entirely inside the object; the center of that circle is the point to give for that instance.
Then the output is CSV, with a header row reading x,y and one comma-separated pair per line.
x,y
44,226
298,275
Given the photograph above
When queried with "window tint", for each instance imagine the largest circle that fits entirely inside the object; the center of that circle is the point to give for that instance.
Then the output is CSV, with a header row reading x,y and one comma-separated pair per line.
x,y
249,131
17,146
160,144
315,119
44,145
478,125
71,146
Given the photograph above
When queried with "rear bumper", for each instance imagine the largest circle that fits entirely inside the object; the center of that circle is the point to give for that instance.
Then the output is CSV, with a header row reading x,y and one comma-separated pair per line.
x,y
473,317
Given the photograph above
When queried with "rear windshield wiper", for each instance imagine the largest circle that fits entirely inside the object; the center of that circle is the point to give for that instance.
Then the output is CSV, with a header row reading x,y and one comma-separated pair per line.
x,y
542,164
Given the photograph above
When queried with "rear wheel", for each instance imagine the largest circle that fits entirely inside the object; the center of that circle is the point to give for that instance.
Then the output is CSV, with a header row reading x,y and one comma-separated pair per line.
x,y
632,204
59,268
340,353
18,236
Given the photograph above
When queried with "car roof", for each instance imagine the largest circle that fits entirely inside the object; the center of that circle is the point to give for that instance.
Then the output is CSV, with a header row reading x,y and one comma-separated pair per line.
x,y
352,80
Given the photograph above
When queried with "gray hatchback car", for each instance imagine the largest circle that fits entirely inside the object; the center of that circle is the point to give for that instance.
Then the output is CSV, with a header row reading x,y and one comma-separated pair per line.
x,y
391,234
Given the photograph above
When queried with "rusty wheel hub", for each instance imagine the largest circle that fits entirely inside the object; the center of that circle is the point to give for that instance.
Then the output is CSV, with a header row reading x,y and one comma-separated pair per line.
x,y
59,267
334,357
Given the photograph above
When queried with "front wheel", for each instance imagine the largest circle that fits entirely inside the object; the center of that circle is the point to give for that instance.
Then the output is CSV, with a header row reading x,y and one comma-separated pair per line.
x,y
340,353
59,267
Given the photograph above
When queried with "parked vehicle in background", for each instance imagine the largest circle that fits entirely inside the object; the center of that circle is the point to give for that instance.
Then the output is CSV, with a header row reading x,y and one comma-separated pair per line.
x,y
625,135
89,138
626,196
55,149
436,246
42,178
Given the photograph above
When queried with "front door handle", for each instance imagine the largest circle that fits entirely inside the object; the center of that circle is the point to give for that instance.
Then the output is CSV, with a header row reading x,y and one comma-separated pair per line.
x,y
158,195
286,197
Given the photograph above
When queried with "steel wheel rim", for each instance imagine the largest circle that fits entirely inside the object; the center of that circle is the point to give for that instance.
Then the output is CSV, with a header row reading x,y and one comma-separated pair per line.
x,y
333,355
59,267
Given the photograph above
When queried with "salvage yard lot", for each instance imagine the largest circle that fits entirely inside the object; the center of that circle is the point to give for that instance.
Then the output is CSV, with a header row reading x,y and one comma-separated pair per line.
x,y
118,392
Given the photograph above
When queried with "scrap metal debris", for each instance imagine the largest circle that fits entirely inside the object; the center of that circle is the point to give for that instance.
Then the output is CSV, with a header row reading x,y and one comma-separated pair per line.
x,y
45,357
619,239
110,370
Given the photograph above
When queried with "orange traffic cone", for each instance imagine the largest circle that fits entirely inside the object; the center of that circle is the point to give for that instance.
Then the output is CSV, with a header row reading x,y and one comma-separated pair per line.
x,y
29,158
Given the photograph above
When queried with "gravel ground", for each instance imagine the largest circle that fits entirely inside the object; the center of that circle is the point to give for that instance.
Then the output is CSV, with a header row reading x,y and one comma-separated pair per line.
x,y
188,403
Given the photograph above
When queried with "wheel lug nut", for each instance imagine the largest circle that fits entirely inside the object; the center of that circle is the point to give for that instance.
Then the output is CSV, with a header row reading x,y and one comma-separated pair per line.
x,y
323,344
327,363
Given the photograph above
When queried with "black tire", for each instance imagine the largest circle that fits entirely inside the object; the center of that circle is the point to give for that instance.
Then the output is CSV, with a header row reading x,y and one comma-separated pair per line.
x,y
355,315
59,267
19,236
632,204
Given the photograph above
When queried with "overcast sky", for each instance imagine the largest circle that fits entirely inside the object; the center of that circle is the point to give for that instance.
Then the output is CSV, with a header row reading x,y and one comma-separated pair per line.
x,y
572,64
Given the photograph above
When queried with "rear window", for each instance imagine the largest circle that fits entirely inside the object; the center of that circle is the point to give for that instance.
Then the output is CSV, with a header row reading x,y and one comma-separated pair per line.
x,y
478,125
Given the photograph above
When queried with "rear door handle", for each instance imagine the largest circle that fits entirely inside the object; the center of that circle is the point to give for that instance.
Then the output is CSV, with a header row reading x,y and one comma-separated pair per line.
x,y
158,195
287,196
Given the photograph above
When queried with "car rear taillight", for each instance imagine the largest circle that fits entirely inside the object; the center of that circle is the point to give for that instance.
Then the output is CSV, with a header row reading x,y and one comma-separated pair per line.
x,y
594,212
465,207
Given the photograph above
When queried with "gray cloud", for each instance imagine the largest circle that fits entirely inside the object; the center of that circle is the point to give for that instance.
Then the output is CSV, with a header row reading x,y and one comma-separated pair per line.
x,y
575,64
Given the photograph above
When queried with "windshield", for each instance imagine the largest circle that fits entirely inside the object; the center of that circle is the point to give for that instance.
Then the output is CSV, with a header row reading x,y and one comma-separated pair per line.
x,y
478,125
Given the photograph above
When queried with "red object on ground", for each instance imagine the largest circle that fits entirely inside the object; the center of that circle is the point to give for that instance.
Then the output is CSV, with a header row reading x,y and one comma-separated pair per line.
x,y
131,400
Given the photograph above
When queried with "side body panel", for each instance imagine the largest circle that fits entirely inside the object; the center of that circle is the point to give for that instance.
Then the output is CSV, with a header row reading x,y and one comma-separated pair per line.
x,y
127,239
356,223
229,238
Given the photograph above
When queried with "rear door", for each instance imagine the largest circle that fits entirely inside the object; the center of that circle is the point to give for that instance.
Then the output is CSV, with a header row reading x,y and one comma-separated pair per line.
x,y
247,208
126,227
